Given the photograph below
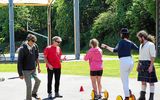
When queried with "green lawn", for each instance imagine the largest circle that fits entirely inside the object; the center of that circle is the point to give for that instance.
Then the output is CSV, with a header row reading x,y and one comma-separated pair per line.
x,y
111,68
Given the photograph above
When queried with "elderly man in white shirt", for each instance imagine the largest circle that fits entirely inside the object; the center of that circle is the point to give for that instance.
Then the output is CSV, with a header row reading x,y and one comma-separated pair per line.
x,y
146,69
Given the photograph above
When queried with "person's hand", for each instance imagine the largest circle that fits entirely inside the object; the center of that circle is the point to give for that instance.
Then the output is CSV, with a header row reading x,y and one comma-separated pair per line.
x,y
138,67
39,70
65,58
104,46
50,67
150,69
21,77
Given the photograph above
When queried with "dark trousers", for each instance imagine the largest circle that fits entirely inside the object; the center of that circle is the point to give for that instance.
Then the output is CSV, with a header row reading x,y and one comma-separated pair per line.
x,y
57,74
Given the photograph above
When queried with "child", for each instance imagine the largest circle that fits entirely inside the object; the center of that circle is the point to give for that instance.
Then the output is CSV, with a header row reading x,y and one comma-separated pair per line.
x,y
94,55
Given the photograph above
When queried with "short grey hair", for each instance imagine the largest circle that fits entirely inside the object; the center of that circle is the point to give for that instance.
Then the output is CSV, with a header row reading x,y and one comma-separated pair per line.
x,y
56,38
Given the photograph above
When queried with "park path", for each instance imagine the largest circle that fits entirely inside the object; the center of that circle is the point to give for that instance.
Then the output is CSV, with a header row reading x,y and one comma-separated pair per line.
x,y
70,87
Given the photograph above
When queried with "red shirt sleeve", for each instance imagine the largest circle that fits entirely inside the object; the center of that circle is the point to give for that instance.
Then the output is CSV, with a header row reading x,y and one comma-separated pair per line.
x,y
45,52
60,52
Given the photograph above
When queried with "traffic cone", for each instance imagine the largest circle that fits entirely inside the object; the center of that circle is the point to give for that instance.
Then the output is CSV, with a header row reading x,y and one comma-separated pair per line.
x,y
81,89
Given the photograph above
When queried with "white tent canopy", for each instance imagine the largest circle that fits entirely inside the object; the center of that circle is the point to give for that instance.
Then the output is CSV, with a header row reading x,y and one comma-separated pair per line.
x,y
27,2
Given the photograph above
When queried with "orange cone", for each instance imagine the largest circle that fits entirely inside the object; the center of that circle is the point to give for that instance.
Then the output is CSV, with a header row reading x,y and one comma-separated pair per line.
x,y
81,89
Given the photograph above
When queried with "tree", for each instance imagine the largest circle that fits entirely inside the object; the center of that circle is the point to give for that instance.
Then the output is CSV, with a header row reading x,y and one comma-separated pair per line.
x,y
150,6
104,28
64,22
101,19
140,19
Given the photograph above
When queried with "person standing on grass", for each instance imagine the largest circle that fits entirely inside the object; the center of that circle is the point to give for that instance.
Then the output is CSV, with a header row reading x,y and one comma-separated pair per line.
x,y
145,68
27,61
94,55
124,48
52,58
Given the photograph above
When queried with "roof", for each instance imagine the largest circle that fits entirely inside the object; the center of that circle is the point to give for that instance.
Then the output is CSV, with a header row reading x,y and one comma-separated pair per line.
x,y
27,2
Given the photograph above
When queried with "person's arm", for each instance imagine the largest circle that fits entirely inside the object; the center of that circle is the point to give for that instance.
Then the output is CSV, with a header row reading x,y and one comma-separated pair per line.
x,y
134,47
37,58
20,63
153,55
39,69
87,56
46,60
107,47
138,66
150,69
62,58
49,65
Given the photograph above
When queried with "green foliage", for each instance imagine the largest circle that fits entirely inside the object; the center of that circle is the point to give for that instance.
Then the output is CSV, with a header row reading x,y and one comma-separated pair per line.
x,y
139,18
64,22
104,22
4,23
121,7
64,19
150,6
104,28
21,16
37,21
89,10
101,19
133,14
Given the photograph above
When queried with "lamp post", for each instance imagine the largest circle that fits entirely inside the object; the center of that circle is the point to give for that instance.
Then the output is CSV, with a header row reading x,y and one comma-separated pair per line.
x,y
11,30
158,27
76,29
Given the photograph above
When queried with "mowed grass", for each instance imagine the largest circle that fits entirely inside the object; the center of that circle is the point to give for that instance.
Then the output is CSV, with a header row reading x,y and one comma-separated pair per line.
x,y
111,67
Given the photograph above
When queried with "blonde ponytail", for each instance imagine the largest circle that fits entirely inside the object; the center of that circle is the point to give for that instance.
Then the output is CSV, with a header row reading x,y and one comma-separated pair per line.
x,y
151,38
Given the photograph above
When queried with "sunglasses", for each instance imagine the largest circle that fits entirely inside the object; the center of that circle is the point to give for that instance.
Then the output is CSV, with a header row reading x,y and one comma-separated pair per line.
x,y
58,42
33,40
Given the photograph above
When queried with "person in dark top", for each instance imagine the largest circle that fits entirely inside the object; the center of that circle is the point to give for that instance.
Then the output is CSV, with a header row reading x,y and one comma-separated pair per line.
x,y
27,61
123,49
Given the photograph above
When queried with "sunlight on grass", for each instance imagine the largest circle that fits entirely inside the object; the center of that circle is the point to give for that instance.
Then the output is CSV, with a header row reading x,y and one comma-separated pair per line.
x,y
111,67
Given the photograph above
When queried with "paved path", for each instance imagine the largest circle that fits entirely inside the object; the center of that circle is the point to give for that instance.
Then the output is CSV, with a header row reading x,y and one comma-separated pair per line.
x,y
70,85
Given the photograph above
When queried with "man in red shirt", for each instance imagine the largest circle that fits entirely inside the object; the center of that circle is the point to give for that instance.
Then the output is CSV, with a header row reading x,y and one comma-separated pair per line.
x,y
52,58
